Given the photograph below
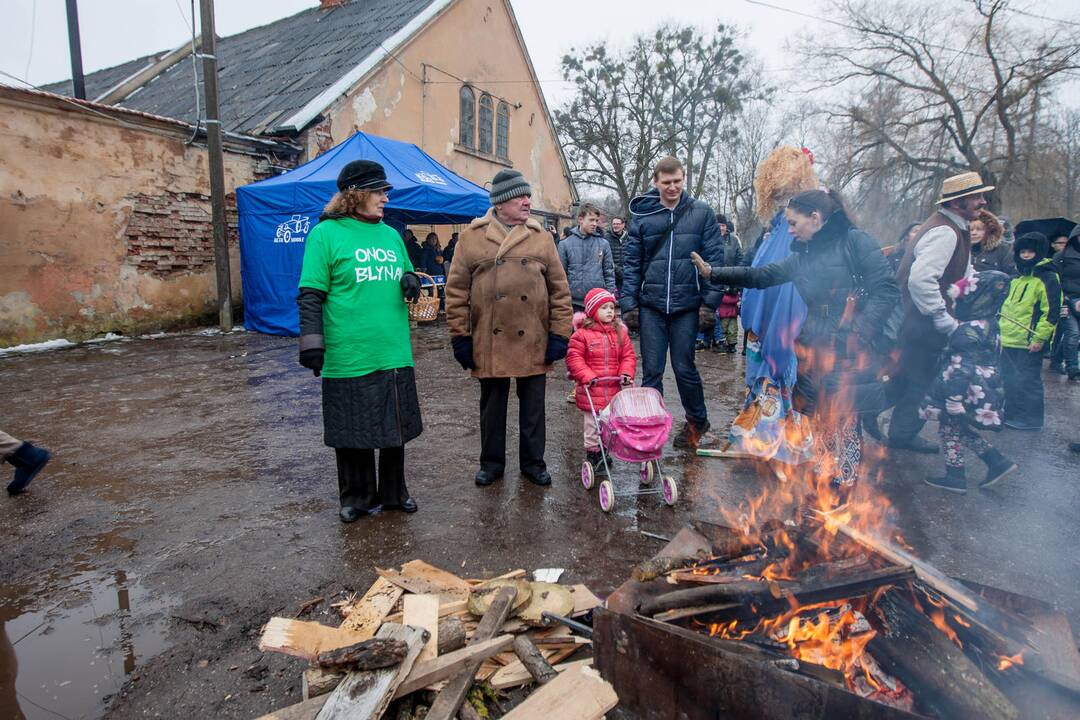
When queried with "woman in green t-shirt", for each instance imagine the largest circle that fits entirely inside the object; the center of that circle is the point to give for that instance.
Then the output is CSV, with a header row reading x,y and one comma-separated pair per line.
x,y
354,331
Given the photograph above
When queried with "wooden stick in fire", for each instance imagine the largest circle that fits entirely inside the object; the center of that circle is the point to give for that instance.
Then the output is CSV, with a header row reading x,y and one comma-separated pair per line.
x,y
926,573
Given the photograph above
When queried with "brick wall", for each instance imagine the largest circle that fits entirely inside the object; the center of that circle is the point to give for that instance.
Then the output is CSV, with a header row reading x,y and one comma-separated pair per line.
x,y
172,233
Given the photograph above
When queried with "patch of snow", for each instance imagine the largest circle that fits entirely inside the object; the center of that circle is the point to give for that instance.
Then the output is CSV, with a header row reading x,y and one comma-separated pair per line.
x,y
36,347
107,337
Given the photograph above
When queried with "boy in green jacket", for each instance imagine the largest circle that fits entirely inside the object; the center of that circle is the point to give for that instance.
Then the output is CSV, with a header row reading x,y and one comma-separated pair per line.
x,y
1028,319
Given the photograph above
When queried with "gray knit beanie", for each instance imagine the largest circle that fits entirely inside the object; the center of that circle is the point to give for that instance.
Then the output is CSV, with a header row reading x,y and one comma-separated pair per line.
x,y
508,184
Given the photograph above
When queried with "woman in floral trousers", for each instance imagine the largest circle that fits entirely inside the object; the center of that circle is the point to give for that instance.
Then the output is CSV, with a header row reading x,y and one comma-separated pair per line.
x,y
968,394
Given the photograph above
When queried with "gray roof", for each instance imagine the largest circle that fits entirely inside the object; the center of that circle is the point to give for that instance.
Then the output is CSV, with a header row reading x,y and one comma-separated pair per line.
x,y
268,73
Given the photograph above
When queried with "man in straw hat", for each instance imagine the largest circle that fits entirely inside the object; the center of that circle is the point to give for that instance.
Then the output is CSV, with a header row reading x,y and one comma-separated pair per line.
x,y
508,313
939,255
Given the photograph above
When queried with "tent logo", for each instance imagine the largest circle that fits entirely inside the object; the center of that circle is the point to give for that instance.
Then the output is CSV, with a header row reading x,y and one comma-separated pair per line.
x,y
293,230
430,178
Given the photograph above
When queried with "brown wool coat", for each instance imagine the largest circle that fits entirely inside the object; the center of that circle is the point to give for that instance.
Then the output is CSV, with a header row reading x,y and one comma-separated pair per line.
x,y
507,291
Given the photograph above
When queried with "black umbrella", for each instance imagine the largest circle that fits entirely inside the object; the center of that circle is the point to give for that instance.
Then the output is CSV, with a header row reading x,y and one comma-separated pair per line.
x,y
1050,227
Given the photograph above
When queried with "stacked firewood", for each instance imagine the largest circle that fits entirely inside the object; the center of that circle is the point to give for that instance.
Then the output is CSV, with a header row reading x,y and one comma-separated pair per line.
x,y
425,643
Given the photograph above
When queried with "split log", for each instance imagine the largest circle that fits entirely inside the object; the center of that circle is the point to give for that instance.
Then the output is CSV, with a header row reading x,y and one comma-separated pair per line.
x,y
947,683
365,695
449,699
367,655
451,635
533,660
318,681
305,639
655,567
718,599
418,577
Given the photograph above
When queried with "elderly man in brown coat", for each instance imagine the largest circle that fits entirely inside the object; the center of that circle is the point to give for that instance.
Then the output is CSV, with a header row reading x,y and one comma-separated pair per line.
x,y
508,311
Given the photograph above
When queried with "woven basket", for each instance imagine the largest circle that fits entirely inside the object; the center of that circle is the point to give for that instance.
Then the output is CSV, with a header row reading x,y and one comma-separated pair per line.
x,y
426,307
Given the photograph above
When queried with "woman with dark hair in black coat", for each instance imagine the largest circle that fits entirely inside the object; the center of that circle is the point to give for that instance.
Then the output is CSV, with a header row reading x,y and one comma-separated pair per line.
x,y
850,290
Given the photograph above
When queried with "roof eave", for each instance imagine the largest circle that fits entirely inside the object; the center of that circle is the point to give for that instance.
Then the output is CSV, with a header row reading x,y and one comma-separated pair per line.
x,y
315,107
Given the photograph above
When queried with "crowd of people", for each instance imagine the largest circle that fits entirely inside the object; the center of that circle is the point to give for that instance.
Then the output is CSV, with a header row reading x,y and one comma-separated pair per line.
x,y
949,325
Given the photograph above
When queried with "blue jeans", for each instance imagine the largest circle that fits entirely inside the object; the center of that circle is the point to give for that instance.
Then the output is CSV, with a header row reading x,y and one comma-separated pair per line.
x,y
677,332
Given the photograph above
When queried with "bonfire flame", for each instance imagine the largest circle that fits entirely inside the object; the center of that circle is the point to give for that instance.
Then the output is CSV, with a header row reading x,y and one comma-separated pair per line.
x,y
1007,661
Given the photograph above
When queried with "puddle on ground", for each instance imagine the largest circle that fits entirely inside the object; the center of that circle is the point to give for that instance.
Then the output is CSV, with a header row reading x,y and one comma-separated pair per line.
x,y
64,649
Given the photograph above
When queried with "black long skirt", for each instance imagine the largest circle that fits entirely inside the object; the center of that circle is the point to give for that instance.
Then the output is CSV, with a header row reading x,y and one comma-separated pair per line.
x,y
377,410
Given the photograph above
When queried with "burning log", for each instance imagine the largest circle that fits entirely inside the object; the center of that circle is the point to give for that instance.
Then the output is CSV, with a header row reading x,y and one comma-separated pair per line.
x,y
756,598
946,682
655,567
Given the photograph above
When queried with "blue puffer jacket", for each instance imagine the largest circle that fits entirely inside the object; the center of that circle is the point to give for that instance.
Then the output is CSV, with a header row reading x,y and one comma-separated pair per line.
x,y
657,270
588,264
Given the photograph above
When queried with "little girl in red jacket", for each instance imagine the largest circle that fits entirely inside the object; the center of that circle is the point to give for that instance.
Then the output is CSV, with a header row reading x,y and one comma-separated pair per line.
x,y
600,347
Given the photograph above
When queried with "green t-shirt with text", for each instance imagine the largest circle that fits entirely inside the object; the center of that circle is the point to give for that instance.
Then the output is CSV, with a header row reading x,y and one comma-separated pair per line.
x,y
365,320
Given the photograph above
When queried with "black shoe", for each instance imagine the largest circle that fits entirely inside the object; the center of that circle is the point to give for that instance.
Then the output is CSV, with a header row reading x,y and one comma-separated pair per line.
x,y
954,480
1059,369
730,349
1017,425
915,444
1074,374
690,434
28,461
542,478
870,425
719,348
1074,447
350,514
997,467
700,345
485,477
408,505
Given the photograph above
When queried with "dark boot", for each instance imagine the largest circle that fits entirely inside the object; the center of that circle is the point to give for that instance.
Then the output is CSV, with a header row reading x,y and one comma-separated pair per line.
x,y
596,459
690,434
870,425
955,480
28,461
997,467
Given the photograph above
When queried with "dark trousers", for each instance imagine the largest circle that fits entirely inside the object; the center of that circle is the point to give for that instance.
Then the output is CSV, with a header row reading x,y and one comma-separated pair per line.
x,y
494,393
1066,342
661,332
1021,370
358,485
919,363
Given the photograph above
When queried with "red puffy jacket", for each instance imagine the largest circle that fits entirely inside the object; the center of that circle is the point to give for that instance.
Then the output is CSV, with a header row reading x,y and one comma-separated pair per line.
x,y
729,305
599,351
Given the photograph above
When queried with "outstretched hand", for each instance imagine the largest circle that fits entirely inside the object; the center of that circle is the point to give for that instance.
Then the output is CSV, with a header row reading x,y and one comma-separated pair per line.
x,y
703,268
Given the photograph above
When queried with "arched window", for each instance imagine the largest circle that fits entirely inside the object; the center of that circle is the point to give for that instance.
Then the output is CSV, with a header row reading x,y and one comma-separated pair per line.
x,y
467,127
487,118
502,131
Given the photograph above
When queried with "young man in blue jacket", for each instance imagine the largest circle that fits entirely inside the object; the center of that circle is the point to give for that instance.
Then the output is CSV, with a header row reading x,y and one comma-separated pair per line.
x,y
662,285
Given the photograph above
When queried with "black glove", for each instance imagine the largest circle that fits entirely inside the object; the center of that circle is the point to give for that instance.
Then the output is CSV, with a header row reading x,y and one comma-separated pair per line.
x,y
630,317
410,286
556,348
463,352
312,359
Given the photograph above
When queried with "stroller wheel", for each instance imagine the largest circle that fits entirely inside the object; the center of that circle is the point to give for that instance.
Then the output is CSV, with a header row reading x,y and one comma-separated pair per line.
x,y
607,495
648,472
587,475
671,490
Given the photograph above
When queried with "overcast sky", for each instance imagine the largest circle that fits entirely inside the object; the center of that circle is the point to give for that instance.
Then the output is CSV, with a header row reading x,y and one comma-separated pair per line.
x,y
113,31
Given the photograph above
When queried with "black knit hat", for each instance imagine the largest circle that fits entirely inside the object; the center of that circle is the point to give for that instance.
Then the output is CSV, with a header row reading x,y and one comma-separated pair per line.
x,y
508,184
363,175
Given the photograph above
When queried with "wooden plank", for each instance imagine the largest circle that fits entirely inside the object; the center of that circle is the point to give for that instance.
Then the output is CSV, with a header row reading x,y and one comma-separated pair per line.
x,y
444,666
369,613
456,607
579,693
318,681
423,611
926,573
512,575
306,710
418,577
516,674
365,695
450,698
584,600
304,639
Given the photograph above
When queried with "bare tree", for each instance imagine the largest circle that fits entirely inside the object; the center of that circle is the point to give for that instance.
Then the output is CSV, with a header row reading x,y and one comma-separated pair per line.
x,y
668,93
956,87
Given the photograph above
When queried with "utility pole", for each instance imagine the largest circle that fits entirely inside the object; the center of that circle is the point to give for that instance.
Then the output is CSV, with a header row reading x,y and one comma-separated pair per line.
x,y
78,83
217,165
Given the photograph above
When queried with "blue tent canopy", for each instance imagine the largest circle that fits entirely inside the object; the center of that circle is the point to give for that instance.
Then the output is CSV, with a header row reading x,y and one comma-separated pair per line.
x,y
276,215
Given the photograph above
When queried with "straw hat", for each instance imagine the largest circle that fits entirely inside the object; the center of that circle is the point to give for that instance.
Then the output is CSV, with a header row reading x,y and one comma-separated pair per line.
x,y
957,186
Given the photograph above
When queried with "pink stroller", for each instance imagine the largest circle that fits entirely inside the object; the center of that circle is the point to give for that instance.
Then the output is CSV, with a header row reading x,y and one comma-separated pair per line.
x,y
632,428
